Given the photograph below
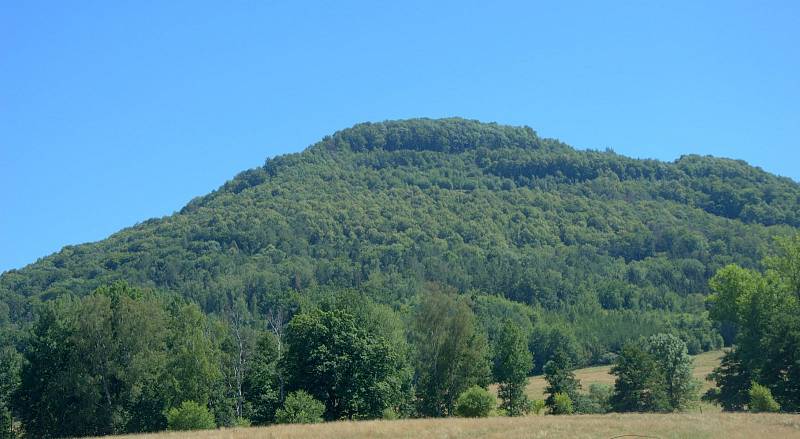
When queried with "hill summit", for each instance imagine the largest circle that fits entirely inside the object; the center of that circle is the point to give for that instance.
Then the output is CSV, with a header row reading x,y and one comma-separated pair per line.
x,y
592,239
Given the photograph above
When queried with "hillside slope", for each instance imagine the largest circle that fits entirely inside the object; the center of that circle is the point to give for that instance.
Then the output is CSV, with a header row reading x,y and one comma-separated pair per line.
x,y
482,208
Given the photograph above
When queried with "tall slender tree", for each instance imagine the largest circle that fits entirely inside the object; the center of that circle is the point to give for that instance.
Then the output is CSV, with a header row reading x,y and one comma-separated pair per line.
x,y
671,354
560,379
452,353
512,362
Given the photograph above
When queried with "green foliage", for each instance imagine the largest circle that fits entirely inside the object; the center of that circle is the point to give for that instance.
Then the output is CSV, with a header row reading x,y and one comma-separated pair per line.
x,y
452,354
190,415
512,362
537,405
261,387
10,364
673,359
733,288
300,408
356,373
765,311
761,400
581,250
6,424
597,401
112,362
390,414
478,207
640,385
242,423
733,383
562,404
493,312
194,356
560,380
475,402
551,336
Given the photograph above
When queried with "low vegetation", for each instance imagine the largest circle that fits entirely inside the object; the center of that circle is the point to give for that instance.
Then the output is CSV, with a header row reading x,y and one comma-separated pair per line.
x,y
684,426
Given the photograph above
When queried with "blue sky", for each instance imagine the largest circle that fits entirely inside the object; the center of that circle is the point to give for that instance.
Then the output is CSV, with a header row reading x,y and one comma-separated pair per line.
x,y
115,112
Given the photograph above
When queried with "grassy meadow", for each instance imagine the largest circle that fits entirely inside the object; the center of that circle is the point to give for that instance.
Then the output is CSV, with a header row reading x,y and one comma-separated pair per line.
x,y
669,426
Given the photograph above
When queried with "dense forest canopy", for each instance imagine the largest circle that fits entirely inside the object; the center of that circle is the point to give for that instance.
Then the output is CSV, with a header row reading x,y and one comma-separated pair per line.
x,y
485,208
580,236
324,284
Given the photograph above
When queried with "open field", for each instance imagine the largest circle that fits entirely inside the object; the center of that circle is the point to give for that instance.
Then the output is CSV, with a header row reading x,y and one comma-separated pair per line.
x,y
671,426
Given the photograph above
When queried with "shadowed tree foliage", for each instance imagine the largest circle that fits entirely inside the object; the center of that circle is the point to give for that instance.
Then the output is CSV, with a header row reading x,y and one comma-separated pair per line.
x,y
764,308
10,364
262,386
113,362
452,354
640,384
512,361
357,374
560,381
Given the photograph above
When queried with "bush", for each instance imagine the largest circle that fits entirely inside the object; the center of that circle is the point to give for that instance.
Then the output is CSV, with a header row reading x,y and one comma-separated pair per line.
x,y
607,358
761,400
597,401
562,404
389,414
475,402
537,405
300,408
241,423
190,416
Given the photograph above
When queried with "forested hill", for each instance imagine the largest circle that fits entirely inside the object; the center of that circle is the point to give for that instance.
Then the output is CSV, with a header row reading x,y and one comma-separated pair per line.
x,y
590,239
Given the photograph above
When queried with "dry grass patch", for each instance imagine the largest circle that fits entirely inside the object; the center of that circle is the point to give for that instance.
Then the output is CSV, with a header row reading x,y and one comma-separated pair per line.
x,y
671,426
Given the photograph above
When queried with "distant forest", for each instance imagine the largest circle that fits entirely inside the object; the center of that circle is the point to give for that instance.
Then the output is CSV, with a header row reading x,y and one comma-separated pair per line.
x,y
581,250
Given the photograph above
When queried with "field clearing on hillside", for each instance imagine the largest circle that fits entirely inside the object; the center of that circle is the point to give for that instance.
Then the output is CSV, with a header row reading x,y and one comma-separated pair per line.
x,y
661,426
703,365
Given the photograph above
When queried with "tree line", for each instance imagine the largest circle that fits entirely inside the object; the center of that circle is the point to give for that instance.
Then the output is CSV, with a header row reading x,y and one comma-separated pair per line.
x,y
763,309
124,359
592,239
577,250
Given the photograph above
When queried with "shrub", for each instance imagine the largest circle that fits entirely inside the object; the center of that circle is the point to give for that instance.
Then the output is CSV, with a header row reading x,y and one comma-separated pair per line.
x,y
562,404
389,414
190,416
300,408
242,422
475,402
761,400
607,358
597,401
537,405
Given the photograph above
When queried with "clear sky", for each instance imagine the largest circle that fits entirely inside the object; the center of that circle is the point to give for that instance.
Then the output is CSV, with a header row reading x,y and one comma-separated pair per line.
x,y
113,112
